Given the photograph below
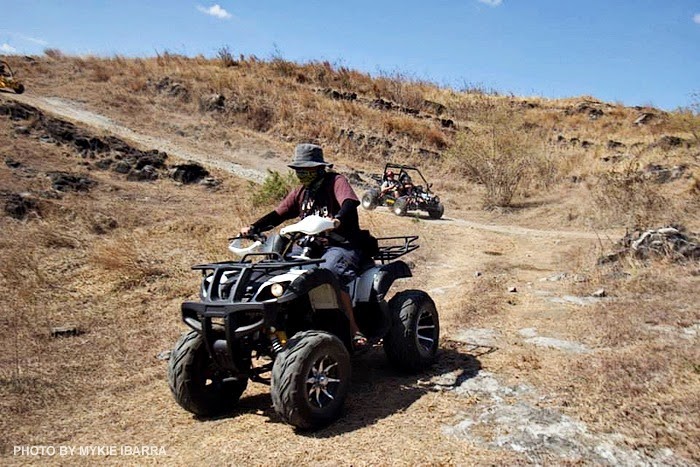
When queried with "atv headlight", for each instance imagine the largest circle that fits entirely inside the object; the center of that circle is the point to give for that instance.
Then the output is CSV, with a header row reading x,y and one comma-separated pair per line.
x,y
277,290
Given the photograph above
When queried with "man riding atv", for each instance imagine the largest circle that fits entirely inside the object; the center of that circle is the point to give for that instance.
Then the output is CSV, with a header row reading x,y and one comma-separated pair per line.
x,y
293,305
326,194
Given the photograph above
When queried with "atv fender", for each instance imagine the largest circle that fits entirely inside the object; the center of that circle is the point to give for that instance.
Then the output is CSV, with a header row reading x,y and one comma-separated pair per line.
x,y
378,280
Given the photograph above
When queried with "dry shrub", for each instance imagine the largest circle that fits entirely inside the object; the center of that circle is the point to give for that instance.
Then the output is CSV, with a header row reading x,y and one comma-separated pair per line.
x,y
687,120
56,54
400,88
227,60
129,260
502,154
628,198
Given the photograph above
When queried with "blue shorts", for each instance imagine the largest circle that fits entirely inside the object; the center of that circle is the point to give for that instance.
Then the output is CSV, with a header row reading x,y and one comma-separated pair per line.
x,y
344,263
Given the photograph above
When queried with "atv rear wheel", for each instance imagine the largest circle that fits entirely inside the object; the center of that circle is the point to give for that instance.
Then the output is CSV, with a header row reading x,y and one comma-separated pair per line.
x,y
412,341
196,383
436,212
370,199
310,379
400,207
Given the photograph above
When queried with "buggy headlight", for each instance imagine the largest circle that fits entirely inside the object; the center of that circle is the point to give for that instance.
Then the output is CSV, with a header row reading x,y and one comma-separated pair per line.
x,y
277,290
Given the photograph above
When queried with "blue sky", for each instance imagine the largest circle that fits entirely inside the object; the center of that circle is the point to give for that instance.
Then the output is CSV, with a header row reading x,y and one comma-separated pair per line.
x,y
635,52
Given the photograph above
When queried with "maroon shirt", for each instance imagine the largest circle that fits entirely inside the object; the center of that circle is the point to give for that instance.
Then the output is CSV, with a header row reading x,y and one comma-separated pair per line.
x,y
325,202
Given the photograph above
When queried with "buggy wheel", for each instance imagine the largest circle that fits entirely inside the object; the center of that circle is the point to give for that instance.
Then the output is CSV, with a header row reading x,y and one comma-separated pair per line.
x,y
400,207
370,199
436,212
412,341
196,383
310,379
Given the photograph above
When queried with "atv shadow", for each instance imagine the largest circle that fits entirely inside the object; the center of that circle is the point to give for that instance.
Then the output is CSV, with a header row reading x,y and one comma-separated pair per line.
x,y
377,390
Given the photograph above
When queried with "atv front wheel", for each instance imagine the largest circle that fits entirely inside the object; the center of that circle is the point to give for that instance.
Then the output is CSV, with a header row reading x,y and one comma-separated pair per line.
x,y
370,199
436,212
412,341
196,383
400,207
310,379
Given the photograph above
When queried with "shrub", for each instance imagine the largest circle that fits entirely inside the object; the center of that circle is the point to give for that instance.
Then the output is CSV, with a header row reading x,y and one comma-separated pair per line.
x,y
629,198
501,154
224,54
273,189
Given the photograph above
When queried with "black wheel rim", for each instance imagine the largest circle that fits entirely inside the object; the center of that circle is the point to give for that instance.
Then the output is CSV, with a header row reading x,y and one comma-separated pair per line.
x,y
323,382
426,332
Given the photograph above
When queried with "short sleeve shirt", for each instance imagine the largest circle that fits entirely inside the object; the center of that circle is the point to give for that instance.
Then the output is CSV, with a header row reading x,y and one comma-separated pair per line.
x,y
326,201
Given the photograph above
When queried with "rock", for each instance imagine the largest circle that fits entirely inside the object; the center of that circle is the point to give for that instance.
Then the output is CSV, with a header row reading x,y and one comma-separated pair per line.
x,y
65,331
644,118
615,145
512,289
191,172
477,274
20,205
599,293
212,103
147,173
122,167
64,181
555,278
11,163
668,143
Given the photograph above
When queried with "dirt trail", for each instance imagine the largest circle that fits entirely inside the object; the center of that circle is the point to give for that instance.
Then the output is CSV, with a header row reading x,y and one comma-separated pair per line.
x,y
246,168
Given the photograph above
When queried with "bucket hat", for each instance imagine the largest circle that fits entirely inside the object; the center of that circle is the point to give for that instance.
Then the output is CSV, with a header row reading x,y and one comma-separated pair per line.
x,y
308,156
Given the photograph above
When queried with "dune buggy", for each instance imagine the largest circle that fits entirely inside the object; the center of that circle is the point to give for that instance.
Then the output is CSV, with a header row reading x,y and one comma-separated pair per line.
x,y
406,196
275,317
8,80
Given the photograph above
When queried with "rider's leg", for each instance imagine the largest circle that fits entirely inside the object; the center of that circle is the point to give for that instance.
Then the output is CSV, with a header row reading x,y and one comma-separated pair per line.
x,y
345,264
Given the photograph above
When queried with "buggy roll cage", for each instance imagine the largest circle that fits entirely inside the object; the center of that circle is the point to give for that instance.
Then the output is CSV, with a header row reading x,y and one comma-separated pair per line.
x,y
404,168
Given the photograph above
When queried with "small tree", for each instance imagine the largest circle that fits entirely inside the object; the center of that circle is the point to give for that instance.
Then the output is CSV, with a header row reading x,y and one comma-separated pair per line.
x,y
500,152
273,189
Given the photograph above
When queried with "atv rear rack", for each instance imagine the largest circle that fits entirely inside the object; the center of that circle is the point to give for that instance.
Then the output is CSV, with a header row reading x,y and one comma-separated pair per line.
x,y
395,249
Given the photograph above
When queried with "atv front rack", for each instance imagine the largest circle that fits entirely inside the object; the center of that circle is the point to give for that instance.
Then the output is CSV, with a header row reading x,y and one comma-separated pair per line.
x,y
399,247
223,287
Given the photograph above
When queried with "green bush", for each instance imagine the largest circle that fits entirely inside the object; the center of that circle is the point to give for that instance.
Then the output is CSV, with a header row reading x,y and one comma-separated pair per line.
x,y
273,189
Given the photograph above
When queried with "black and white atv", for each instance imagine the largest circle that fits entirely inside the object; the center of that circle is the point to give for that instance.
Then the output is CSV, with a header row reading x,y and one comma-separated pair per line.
x,y
275,318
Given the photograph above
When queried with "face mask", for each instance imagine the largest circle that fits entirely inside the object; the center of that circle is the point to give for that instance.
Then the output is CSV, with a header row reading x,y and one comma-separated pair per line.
x,y
307,177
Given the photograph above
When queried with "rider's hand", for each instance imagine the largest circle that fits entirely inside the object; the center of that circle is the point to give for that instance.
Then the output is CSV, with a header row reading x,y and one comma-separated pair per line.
x,y
246,231
336,222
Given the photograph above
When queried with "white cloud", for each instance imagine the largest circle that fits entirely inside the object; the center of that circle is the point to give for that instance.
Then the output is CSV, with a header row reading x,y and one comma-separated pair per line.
x,y
215,10
696,18
32,39
491,2
21,37
7,48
